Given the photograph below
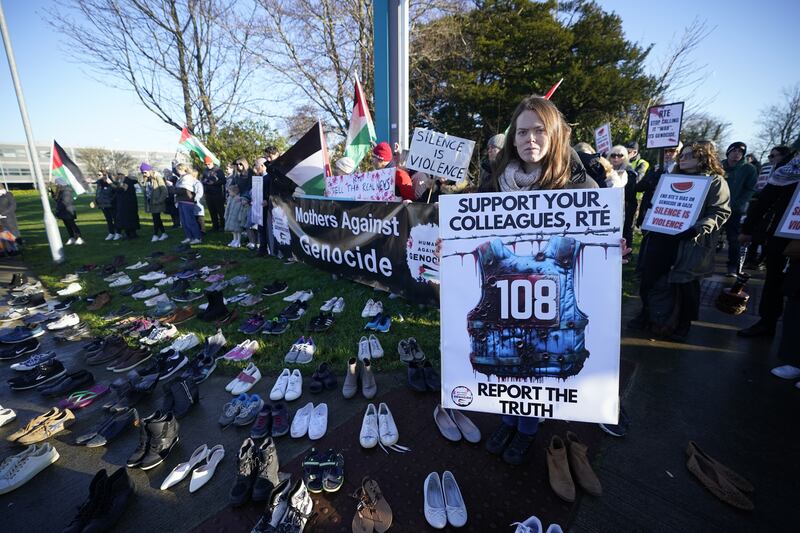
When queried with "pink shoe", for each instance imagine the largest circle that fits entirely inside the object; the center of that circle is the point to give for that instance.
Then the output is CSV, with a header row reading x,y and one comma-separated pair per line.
x,y
235,353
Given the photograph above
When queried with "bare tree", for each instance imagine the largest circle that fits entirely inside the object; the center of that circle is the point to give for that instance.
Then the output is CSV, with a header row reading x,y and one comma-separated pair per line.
x,y
703,126
176,55
101,160
780,123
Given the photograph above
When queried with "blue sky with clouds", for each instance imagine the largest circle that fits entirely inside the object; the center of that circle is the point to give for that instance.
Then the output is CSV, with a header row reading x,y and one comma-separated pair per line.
x,y
751,57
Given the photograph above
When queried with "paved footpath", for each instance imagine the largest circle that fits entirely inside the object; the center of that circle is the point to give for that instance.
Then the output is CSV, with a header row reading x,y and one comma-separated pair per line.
x,y
714,389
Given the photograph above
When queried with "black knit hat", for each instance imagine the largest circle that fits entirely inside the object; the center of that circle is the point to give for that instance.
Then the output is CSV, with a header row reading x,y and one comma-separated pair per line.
x,y
738,144
632,145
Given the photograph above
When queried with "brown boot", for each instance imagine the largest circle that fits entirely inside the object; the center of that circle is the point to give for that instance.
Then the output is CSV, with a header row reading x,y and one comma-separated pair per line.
x,y
719,485
740,482
579,463
558,470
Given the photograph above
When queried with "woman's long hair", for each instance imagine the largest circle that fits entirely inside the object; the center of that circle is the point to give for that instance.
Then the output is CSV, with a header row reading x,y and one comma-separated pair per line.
x,y
556,163
707,158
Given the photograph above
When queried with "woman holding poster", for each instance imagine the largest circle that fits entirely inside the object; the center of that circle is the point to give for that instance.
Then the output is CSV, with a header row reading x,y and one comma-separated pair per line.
x,y
536,155
671,266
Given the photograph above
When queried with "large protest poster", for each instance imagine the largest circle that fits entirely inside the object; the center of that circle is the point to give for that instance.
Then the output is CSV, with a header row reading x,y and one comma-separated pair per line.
x,y
531,303
256,194
439,154
677,202
789,226
388,245
664,125
376,186
602,139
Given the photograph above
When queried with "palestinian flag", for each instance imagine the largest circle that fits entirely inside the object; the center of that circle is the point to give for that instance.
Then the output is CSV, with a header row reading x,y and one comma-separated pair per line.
x,y
306,163
61,166
190,143
361,133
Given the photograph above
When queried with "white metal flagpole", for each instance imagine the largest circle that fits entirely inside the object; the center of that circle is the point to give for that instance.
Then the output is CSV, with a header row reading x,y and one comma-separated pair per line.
x,y
50,225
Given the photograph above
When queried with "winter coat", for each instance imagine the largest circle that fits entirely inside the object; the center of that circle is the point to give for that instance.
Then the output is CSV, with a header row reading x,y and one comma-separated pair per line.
x,y
237,213
8,208
198,199
578,178
695,259
244,181
103,194
213,181
155,198
742,184
773,200
65,206
127,206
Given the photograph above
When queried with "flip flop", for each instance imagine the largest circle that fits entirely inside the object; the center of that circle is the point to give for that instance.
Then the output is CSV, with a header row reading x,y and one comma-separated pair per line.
x,y
83,398
381,512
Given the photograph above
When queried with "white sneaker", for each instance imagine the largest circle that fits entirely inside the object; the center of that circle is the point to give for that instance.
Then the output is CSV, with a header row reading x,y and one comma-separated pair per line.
x,y
6,415
64,322
24,469
387,429
301,420
147,293
366,312
154,239
166,281
375,348
328,305
204,473
279,389
117,236
72,288
152,276
453,501
338,307
246,379
363,349
155,300
195,241
293,297
115,276
184,343
163,237
121,281
136,266
435,510
185,241
369,435
318,424
531,525
251,246
109,237
377,308
294,389
786,372
70,242
79,241
180,472
305,296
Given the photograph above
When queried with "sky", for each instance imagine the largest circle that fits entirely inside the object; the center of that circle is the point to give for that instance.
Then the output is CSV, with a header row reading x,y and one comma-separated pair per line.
x,y
749,55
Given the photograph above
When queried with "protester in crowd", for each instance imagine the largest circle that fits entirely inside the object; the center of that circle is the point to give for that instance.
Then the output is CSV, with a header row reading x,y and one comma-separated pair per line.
x,y
493,148
774,198
65,210
155,199
789,344
8,212
200,208
671,266
595,169
536,155
382,157
243,176
213,181
237,213
639,165
185,191
271,153
618,157
613,178
741,178
753,160
257,232
105,200
344,166
648,184
127,206
170,206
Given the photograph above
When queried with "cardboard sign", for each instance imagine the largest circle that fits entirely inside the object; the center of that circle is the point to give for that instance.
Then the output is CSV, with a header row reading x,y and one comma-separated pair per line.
x,y
602,138
664,125
256,195
530,288
763,176
439,154
377,185
676,203
790,223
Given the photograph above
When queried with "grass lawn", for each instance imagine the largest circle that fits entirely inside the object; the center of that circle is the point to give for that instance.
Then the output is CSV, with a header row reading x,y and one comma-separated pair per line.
x,y
337,345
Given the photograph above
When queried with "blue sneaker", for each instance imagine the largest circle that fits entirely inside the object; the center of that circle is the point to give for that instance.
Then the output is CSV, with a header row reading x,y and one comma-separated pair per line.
x,y
372,325
21,334
233,408
384,323
33,361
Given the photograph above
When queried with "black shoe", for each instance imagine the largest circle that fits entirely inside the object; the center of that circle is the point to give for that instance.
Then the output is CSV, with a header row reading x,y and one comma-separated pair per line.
x,y
272,289
118,313
322,379
312,471
113,427
71,382
519,450
163,436
276,508
333,471
216,307
144,439
180,397
20,349
85,512
17,280
170,363
498,441
133,288
117,491
246,467
294,310
215,345
44,373
65,304
280,419
432,379
639,322
321,322
759,329
267,472
416,377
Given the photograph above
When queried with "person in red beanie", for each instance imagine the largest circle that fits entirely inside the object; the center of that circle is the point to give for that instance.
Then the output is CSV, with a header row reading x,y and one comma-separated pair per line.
x,y
382,158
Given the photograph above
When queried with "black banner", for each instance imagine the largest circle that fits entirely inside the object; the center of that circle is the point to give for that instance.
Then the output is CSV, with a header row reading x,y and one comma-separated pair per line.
x,y
386,245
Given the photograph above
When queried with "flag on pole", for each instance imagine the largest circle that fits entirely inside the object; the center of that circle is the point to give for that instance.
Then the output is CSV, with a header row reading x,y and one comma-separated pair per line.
x,y
553,89
361,132
61,166
306,163
190,143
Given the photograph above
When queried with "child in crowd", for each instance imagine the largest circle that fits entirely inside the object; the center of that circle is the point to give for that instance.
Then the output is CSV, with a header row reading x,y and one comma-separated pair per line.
x,y
236,215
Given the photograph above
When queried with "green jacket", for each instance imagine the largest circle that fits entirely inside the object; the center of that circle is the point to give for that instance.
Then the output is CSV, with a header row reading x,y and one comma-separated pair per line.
x,y
742,183
157,201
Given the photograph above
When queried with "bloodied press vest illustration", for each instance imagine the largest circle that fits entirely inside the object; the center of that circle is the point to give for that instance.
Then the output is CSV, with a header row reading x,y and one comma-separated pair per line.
x,y
527,323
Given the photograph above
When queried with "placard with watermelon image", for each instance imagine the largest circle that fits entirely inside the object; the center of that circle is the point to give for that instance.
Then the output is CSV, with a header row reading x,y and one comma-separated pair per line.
x,y
676,203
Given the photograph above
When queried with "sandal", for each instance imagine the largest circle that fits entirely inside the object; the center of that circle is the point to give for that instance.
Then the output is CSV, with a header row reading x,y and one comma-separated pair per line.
x,y
373,509
83,398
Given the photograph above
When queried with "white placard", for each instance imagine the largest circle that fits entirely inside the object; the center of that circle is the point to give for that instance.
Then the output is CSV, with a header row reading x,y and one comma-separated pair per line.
x,y
677,202
439,154
790,223
664,125
531,303
256,199
602,139
377,185
763,176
